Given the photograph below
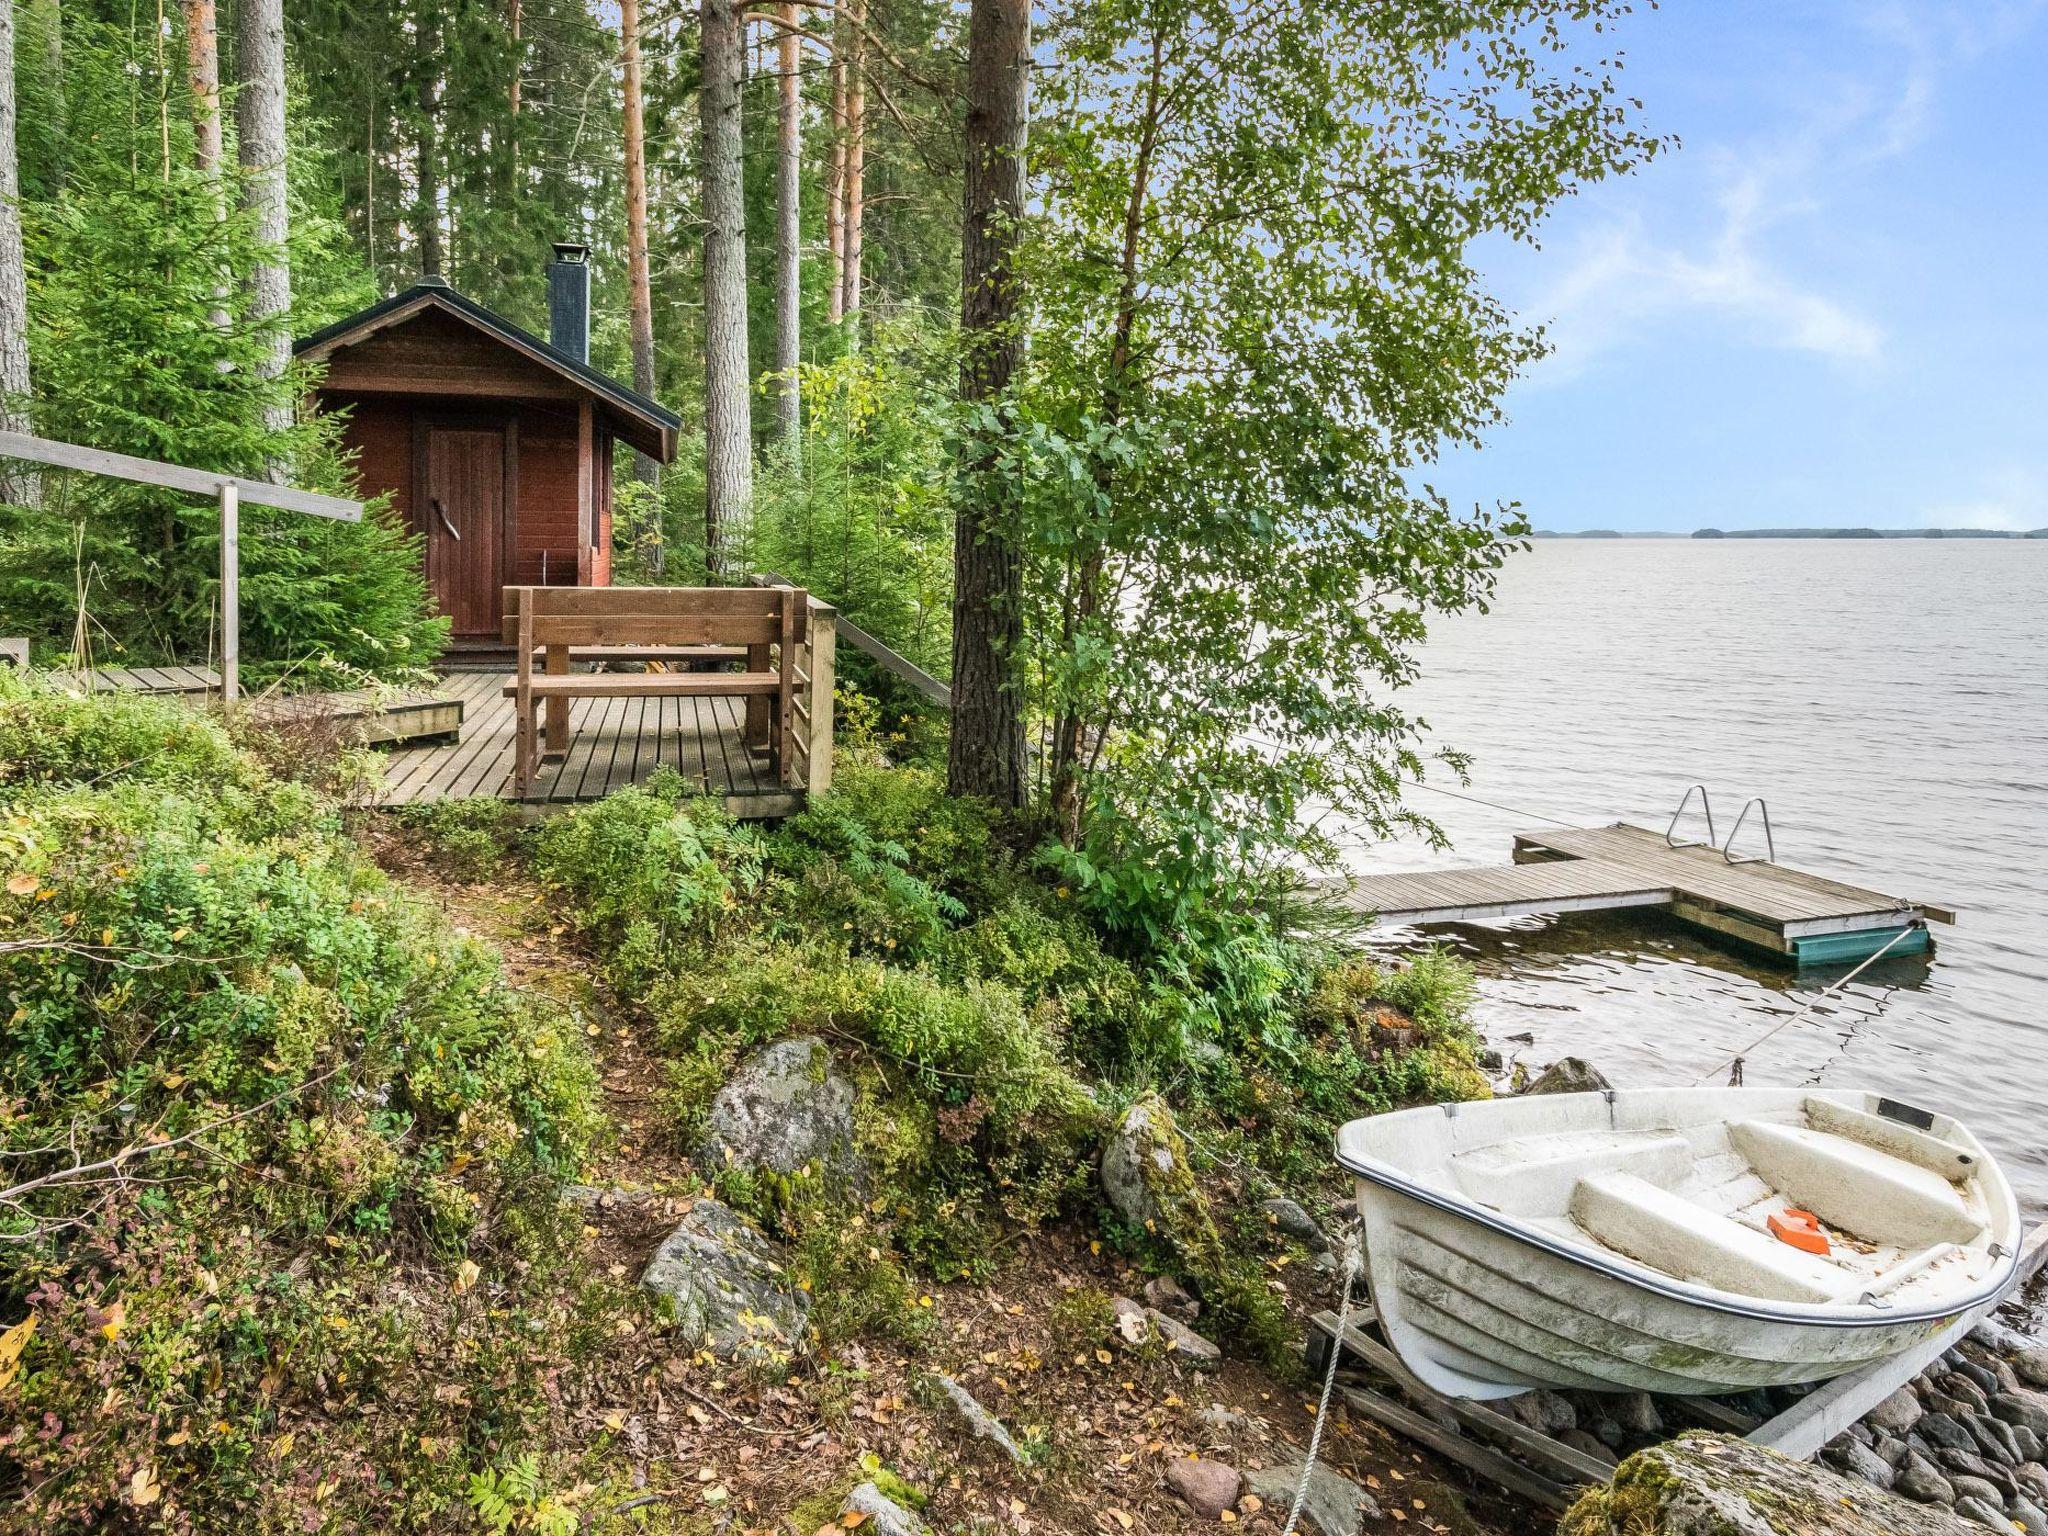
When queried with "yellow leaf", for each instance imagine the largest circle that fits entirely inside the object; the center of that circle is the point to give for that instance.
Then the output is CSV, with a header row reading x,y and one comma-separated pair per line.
x,y
174,1080
1103,1355
178,1437
1122,1519
615,1421
21,885
1228,1517
281,1447
11,1344
143,1488
117,1319
466,1274
852,1519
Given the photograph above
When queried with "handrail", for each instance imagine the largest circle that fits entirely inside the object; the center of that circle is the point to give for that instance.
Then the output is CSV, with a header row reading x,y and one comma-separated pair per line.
x,y
1770,855
1705,805
891,661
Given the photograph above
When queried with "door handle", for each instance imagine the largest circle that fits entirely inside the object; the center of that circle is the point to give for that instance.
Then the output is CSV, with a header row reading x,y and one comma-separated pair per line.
x,y
442,513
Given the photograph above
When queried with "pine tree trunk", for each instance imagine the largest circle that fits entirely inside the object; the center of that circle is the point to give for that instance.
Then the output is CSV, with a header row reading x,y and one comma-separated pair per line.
x,y
202,59
856,164
426,210
260,148
835,181
986,755
789,293
728,418
515,20
640,296
18,485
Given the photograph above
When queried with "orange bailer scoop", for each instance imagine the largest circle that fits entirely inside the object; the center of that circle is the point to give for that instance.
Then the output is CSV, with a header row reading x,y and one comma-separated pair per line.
x,y
1799,1228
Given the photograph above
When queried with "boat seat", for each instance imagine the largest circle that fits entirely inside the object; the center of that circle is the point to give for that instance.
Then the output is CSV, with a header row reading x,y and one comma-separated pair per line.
x,y
1876,1196
1535,1175
1660,1229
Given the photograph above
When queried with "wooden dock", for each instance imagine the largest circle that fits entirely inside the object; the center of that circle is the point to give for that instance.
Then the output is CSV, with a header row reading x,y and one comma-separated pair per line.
x,y
1805,918
613,742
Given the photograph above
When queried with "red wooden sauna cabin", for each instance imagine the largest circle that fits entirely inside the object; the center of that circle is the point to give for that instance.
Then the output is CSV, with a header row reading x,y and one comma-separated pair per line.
x,y
495,445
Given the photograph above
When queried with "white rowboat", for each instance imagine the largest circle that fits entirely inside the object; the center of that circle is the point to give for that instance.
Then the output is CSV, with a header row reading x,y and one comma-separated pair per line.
x,y
1623,1241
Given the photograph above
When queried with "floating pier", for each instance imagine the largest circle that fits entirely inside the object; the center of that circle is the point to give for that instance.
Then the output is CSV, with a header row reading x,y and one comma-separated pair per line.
x,y
1802,918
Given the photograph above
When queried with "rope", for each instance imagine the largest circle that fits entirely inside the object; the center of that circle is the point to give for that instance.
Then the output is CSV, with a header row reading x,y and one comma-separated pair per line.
x,y
1352,1260
1735,1061
1436,789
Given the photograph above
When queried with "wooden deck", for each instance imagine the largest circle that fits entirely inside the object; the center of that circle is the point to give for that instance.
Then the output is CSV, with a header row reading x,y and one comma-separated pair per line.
x,y
1805,917
613,743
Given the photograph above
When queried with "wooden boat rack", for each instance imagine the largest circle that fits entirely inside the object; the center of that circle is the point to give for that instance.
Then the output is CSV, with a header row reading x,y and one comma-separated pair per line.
x,y
1548,1472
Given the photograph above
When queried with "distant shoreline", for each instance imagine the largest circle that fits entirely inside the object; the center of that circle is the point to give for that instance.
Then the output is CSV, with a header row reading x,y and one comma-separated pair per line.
x,y
1799,533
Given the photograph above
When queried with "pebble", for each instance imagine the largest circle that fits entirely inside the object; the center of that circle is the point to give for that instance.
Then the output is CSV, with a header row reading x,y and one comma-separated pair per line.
x,y
1983,1514
1918,1478
1579,1440
1169,1295
1889,1449
1543,1410
2029,1514
2023,1407
1291,1219
1184,1344
1897,1413
2035,1476
1976,1488
885,1517
1942,1430
983,1424
1860,1461
1206,1487
1133,1325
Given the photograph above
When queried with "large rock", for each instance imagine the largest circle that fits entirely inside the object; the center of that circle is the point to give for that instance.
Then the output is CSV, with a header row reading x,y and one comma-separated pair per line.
x,y
1711,1485
1206,1487
982,1424
786,1109
726,1285
1295,1222
1144,1163
1896,1414
1574,1074
1335,1506
885,1517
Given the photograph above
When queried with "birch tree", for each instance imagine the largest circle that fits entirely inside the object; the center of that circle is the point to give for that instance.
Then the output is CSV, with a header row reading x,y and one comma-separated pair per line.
x,y
18,485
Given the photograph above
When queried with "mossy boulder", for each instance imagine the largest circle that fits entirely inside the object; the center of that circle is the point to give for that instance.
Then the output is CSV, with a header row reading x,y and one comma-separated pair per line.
x,y
1711,1485
1145,1173
786,1110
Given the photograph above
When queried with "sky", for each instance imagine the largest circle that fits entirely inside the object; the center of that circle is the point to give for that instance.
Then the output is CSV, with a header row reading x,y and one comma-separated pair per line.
x,y
1829,307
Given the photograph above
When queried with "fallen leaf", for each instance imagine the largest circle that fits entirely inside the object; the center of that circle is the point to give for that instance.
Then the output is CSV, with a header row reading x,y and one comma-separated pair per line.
x,y
852,1518
466,1275
281,1447
1122,1519
143,1487
11,1345
21,885
117,1319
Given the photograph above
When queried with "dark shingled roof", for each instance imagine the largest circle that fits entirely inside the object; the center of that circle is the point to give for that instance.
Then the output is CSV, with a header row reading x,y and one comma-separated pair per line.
x,y
658,423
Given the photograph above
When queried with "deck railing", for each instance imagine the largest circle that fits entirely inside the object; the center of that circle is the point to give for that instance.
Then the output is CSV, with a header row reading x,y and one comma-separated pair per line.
x,y
810,758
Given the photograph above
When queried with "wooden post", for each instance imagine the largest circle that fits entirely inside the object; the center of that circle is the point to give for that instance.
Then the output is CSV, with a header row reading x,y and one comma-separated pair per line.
x,y
824,650
230,593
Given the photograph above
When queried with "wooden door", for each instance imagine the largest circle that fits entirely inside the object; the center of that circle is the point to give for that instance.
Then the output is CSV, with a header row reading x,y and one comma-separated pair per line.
x,y
461,514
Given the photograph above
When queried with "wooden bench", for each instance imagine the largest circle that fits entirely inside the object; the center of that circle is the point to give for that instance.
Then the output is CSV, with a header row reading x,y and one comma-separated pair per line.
x,y
765,625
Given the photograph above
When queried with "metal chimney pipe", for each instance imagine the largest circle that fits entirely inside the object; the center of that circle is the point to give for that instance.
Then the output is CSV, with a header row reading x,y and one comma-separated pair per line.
x,y
569,300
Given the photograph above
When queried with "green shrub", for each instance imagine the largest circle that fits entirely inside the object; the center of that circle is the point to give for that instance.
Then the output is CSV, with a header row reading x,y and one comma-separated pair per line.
x,y
52,737
327,1098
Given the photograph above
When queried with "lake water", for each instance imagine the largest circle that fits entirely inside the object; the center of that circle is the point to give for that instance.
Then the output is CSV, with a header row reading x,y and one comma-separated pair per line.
x,y
1890,701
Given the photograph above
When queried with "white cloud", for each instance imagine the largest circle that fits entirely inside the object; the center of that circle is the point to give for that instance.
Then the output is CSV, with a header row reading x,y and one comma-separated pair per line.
x,y
1629,277
1621,282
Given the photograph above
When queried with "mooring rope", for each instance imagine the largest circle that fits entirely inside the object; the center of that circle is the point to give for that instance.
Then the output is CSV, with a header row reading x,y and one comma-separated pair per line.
x,y
1735,1062
1353,1258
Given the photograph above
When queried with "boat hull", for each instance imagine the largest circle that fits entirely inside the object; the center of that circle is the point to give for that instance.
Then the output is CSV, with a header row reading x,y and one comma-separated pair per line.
x,y
1591,1240
1478,1313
